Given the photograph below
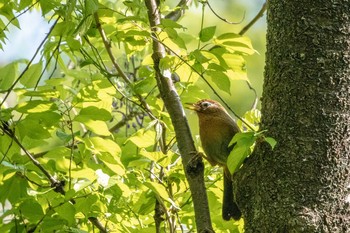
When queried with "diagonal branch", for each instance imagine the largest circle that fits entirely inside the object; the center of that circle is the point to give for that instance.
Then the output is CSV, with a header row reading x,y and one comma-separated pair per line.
x,y
29,63
254,20
142,100
194,172
56,184
179,10
221,18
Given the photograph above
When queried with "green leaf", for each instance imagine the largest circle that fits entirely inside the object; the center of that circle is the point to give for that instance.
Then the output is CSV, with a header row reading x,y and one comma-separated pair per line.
x,y
174,36
32,75
144,205
93,113
13,188
47,118
84,205
52,224
23,4
32,210
33,129
221,80
235,43
244,142
63,28
271,141
91,6
67,212
153,156
168,23
44,93
97,127
143,138
241,136
192,93
36,106
158,189
8,11
94,118
167,62
47,6
203,56
98,145
207,33
8,74
74,43
236,157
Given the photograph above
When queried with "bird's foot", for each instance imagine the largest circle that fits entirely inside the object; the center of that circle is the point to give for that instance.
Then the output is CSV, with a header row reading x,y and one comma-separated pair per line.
x,y
195,164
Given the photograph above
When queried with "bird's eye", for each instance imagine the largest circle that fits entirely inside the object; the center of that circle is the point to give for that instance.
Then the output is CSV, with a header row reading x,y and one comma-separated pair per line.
x,y
205,105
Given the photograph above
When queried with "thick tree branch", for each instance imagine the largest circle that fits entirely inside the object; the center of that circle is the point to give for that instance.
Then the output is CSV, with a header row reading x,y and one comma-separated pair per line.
x,y
195,173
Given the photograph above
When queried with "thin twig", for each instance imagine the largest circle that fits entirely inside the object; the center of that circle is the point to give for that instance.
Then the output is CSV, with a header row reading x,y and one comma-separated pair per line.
x,y
153,37
20,14
254,20
57,185
29,63
221,18
256,98
108,47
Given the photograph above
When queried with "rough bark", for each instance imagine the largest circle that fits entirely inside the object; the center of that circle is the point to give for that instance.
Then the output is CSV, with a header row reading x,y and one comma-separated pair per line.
x,y
303,184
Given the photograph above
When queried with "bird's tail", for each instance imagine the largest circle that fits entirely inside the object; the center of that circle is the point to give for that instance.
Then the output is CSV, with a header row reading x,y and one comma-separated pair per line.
x,y
229,206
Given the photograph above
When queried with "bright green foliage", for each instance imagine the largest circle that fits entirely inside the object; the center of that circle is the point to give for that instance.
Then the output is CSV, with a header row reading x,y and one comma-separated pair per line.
x,y
82,116
246,141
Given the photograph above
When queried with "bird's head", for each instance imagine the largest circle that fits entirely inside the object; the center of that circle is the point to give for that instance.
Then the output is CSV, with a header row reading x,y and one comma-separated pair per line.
x,y
207,107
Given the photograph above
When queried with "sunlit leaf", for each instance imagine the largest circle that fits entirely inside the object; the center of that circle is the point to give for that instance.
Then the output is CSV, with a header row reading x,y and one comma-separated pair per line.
x,y
143,138
236,157
36,106
67,212
32,75
96,126
8,74
242,136
207,33
235,43
221,80
93,113
33,129
97,145
158,189
13,189
168,23
271,141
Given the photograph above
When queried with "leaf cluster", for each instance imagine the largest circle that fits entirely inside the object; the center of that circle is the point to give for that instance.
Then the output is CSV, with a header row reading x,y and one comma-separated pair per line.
x,y
88,142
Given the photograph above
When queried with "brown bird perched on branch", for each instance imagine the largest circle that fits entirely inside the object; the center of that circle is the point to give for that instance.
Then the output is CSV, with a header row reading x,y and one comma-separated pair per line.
x,y
216,129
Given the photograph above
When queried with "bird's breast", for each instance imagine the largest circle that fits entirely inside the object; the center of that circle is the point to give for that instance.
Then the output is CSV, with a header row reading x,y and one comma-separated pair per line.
x,y
216,135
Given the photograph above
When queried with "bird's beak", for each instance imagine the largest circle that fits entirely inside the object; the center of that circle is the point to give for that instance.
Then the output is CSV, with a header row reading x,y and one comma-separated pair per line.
x,y
191,106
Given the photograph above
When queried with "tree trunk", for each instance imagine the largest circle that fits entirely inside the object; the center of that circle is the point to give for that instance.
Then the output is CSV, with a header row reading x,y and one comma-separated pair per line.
x,y
303,184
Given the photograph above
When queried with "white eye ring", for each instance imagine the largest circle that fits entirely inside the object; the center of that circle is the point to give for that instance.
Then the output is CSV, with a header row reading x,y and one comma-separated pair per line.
x,y
205,104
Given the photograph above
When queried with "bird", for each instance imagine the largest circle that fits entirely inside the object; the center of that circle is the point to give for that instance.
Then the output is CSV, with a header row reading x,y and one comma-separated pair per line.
x,y
216,129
